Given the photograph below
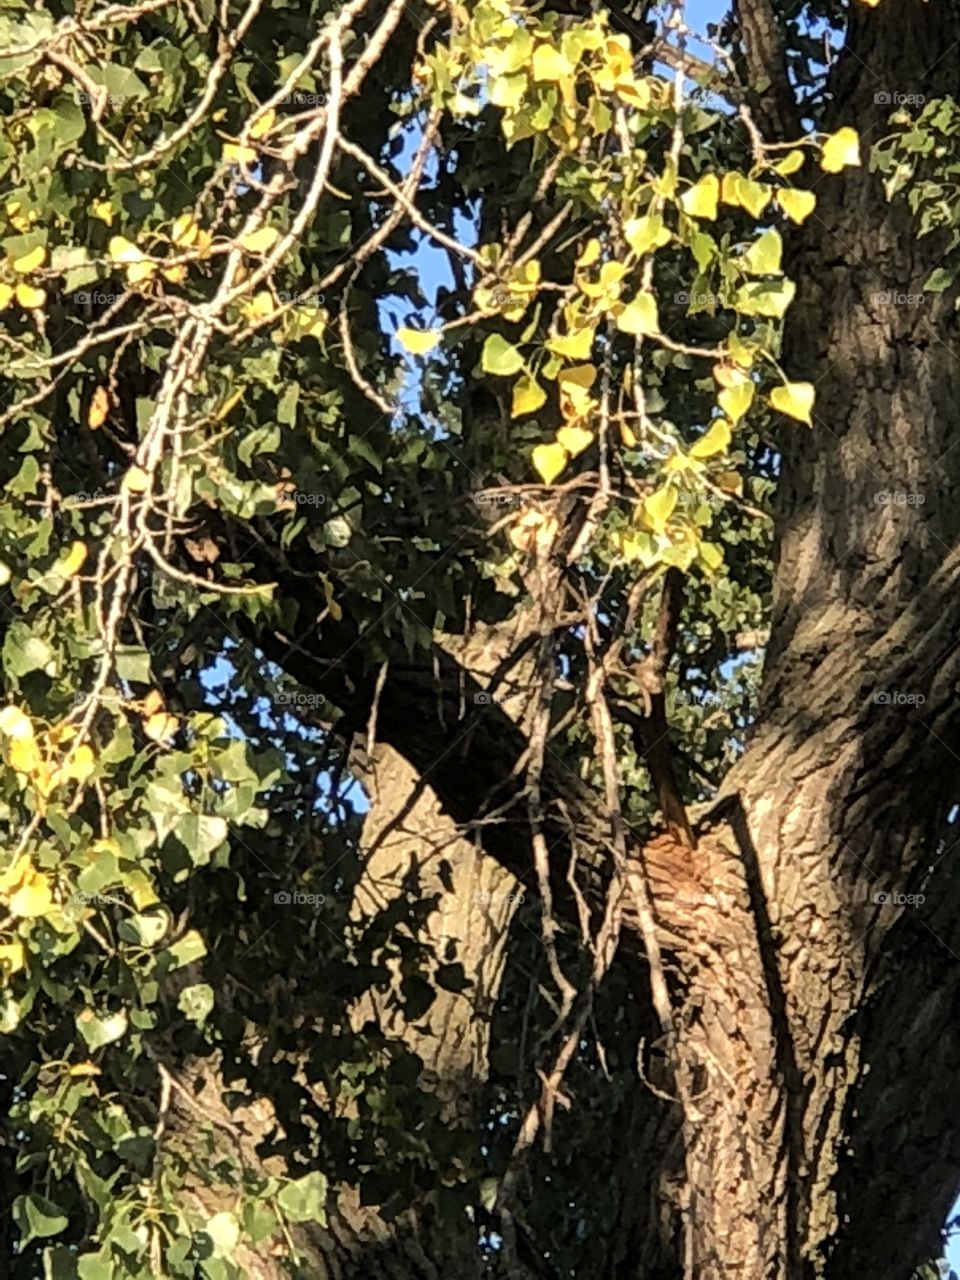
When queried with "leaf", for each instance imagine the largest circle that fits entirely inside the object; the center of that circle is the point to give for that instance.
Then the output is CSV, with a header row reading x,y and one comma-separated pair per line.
x,y
575,345
762,299
709,556
73,562
15,724
700,201
6,295
263,125
196,1002
304,1200
797,205
418,341
549,63
185,230
37,1217
259,241
12,956
30,261
645,233
528,396
790,163
939,279
99,408
715,440
201,834
121,250
160,726
795,399
500,357
764,255
30,297
135,480
224,1230
640,316
658,507
549,460
735,401
574,439
34,898
841,150
98,1031
236,153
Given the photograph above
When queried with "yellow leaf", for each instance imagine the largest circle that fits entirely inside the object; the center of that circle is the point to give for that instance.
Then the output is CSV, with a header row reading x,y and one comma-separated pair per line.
x,y
260,307
230,403
84,1069
646,233
578,375
549,63
754,196
574,439
12,956
714,441
573,346
658,507
152,703
6,296
590,255
635,92
728,375
24,755
14,723
549,460
185,230
640,316
790,163
102,209
176,274
16,874
34,898
794,399
82,765
135,480
628,436
259,241
238,154
735,401
533,531
418,341
121,249
137,272
99,408
160,726
30,261
701,199
263,125
797,205
73,561
740,352
528,396
30,297
840,150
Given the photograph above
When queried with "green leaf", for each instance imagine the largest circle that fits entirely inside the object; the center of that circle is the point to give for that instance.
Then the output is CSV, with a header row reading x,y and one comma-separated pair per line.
x,y
99,1030
304,1200
764,255
640,316
196,1002
37,1218
500,357
762,299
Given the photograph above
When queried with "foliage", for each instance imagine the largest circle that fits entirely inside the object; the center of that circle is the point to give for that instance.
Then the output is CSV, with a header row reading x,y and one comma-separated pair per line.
x,y
217,432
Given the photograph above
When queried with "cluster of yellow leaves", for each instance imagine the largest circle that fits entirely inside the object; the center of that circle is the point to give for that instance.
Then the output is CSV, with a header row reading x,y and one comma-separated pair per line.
x,y
27,295
241,153
41,759
27,893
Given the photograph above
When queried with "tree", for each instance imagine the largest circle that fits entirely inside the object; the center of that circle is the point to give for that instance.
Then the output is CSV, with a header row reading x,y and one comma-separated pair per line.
x,y
408,870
